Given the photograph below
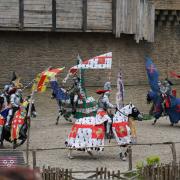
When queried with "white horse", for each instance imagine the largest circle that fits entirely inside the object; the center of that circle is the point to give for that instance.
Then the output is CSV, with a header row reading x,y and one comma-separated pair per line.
x,y
88,133
121,127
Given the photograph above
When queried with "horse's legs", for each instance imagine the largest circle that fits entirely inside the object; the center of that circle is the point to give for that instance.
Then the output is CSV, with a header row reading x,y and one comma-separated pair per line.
x,y
154,122
57,119
22,142
90,153
70,154
14,144
123,153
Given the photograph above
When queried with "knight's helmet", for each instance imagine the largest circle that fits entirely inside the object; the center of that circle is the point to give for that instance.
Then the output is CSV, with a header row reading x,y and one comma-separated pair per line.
x,y
16,80
107,86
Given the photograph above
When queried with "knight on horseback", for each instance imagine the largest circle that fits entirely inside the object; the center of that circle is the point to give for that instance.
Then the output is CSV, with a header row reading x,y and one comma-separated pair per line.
x,y
165,90
15,102
75,92
104,105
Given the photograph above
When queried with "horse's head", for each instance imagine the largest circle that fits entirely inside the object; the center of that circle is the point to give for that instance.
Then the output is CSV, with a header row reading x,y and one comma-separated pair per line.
x,y
134,112
151,96
26,106
157,100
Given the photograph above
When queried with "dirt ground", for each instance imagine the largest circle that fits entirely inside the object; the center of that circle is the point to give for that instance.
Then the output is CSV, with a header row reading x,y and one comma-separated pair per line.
x,y
45,134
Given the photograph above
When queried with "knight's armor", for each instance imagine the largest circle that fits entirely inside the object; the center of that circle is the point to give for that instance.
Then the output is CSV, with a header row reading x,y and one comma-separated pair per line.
x,y
75,89
165,87
165,90
7,91
75,92
104,102
15,101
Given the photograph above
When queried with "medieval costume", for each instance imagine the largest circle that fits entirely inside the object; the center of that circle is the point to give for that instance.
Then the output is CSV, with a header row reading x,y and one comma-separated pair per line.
x,y
74,93
15,102
104,104
165,92
88,133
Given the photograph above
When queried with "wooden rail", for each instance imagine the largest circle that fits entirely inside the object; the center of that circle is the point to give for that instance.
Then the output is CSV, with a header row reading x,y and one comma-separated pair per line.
x,y
130,153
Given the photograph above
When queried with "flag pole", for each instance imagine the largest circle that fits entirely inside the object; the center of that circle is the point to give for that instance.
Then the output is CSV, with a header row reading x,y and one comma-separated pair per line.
x,y
29,125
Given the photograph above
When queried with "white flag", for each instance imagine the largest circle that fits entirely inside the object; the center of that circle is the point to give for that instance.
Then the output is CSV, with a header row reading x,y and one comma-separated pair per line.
x,y
103,61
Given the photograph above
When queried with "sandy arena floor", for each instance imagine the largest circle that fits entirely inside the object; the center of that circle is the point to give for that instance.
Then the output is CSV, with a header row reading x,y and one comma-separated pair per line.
x,y
45,134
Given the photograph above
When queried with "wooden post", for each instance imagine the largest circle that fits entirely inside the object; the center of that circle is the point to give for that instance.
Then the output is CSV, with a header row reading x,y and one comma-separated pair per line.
x,y
84,15
173,149
62,173
105,173
70,174
97,173
29,125
109,175
113,175
114,16
34,159
118,174
53,15
101,173
21,14
66,174
130,157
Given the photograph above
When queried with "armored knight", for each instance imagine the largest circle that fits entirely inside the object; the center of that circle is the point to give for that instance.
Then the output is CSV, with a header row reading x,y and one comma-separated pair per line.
x,y
75,92
104,104
15,102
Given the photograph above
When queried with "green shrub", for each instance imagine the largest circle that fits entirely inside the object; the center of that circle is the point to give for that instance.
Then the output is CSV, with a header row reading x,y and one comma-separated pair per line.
x,y
153,160
150,161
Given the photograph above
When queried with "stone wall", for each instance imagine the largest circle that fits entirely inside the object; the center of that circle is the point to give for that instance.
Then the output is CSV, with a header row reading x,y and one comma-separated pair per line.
x,y
29,53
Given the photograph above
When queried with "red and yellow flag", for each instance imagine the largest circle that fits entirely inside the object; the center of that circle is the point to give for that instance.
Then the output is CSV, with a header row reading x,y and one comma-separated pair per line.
x,y
42,79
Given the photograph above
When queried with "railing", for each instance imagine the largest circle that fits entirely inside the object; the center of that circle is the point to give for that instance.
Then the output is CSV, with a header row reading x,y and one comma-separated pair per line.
x,y
60,174
130,162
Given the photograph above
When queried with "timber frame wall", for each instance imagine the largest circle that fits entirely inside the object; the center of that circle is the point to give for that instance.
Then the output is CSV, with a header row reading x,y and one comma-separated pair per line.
x,y
115,16
56,15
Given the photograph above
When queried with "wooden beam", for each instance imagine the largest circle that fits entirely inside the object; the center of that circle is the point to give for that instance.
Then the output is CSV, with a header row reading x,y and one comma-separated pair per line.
x,y
114,16
171,18
162,18
53,15
21,14
165,12
157,12
174,12
84,15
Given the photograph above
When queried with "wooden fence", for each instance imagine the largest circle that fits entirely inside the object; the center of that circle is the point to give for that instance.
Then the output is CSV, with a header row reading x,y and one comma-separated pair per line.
x,y
60,173
162,172
130,162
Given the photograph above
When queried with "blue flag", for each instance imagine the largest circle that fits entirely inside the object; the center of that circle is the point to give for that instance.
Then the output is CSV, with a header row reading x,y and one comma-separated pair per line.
x,y
58,92
153,74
